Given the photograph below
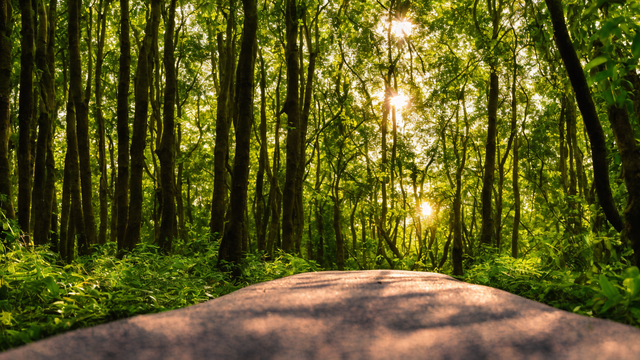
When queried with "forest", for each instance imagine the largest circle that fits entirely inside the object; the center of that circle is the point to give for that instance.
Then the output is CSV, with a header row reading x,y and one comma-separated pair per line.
x,y
157,154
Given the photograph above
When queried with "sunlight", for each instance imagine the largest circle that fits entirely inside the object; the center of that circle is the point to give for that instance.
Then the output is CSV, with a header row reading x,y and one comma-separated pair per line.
x,y
399,101
426,209
401,28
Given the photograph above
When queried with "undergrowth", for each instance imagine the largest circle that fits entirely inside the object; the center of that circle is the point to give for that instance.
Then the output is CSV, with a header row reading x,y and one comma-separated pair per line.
x,y
610,291
41,296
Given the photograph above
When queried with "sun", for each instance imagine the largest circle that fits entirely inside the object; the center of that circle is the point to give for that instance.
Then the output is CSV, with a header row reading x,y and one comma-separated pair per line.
x,y
426,210
401,28
399,101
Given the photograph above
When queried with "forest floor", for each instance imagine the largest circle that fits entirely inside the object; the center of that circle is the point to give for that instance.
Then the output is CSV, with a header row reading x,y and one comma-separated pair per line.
x,y
40,296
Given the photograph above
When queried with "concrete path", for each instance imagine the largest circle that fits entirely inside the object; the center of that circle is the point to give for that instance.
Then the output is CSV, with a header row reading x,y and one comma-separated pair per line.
x,y
351,315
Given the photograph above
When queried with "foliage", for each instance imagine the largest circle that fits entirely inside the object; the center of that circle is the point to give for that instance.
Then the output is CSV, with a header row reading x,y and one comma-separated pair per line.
x,y
40,297
611,292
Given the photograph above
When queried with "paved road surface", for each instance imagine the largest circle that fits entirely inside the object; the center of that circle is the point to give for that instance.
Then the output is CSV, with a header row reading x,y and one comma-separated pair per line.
x,y
379,314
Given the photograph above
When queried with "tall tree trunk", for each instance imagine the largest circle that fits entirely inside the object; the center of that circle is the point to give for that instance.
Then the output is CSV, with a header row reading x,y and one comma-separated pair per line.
x,y
275,195
563,147
40,212
66,207
49,223
456,255
292,109
226,57
588,111
231,246
102,155
166,152
625,139
490,160
24,116
6,47
338,230
262,162
82,118
76,223
138,139
124,78
182,231
516,201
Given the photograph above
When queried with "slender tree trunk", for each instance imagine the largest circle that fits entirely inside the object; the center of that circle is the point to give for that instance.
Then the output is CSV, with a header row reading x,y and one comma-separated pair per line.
x,y
275,196
102,155
124,78
456,255
563,147
320,229
24,116
40,211
292,109
182,231
138,140
49,223
76,223
262,162
232,240
167,147
82,116
338,230
589,113
226,56
66,207
625,140
516,201
352,222
490,160
6,47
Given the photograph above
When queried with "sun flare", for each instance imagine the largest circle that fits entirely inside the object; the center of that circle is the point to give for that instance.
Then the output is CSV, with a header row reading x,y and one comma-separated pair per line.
x,y
398,101
401,28
426,210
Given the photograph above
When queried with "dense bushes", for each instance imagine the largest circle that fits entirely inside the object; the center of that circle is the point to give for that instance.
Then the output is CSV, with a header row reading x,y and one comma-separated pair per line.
x,y
40,296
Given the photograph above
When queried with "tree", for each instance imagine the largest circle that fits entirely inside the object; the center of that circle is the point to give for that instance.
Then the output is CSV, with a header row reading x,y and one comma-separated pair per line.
x,y
231,246
25,115
6,46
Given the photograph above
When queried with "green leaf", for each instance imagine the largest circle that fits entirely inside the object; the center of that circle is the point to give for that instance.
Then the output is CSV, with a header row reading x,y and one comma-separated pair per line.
x,y
608,288
635,46
51,285
595,62
609,27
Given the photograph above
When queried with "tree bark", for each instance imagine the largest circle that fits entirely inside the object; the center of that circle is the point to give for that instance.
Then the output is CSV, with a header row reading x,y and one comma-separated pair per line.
x,y
66,208
6,47
40,210
226,57
516,201
589,113
630,155
102,155
275,195
76,223
490,160
166,152
82,118
292,109
124,78
262,161
456,255
24,116
49,223
138,140
232,240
